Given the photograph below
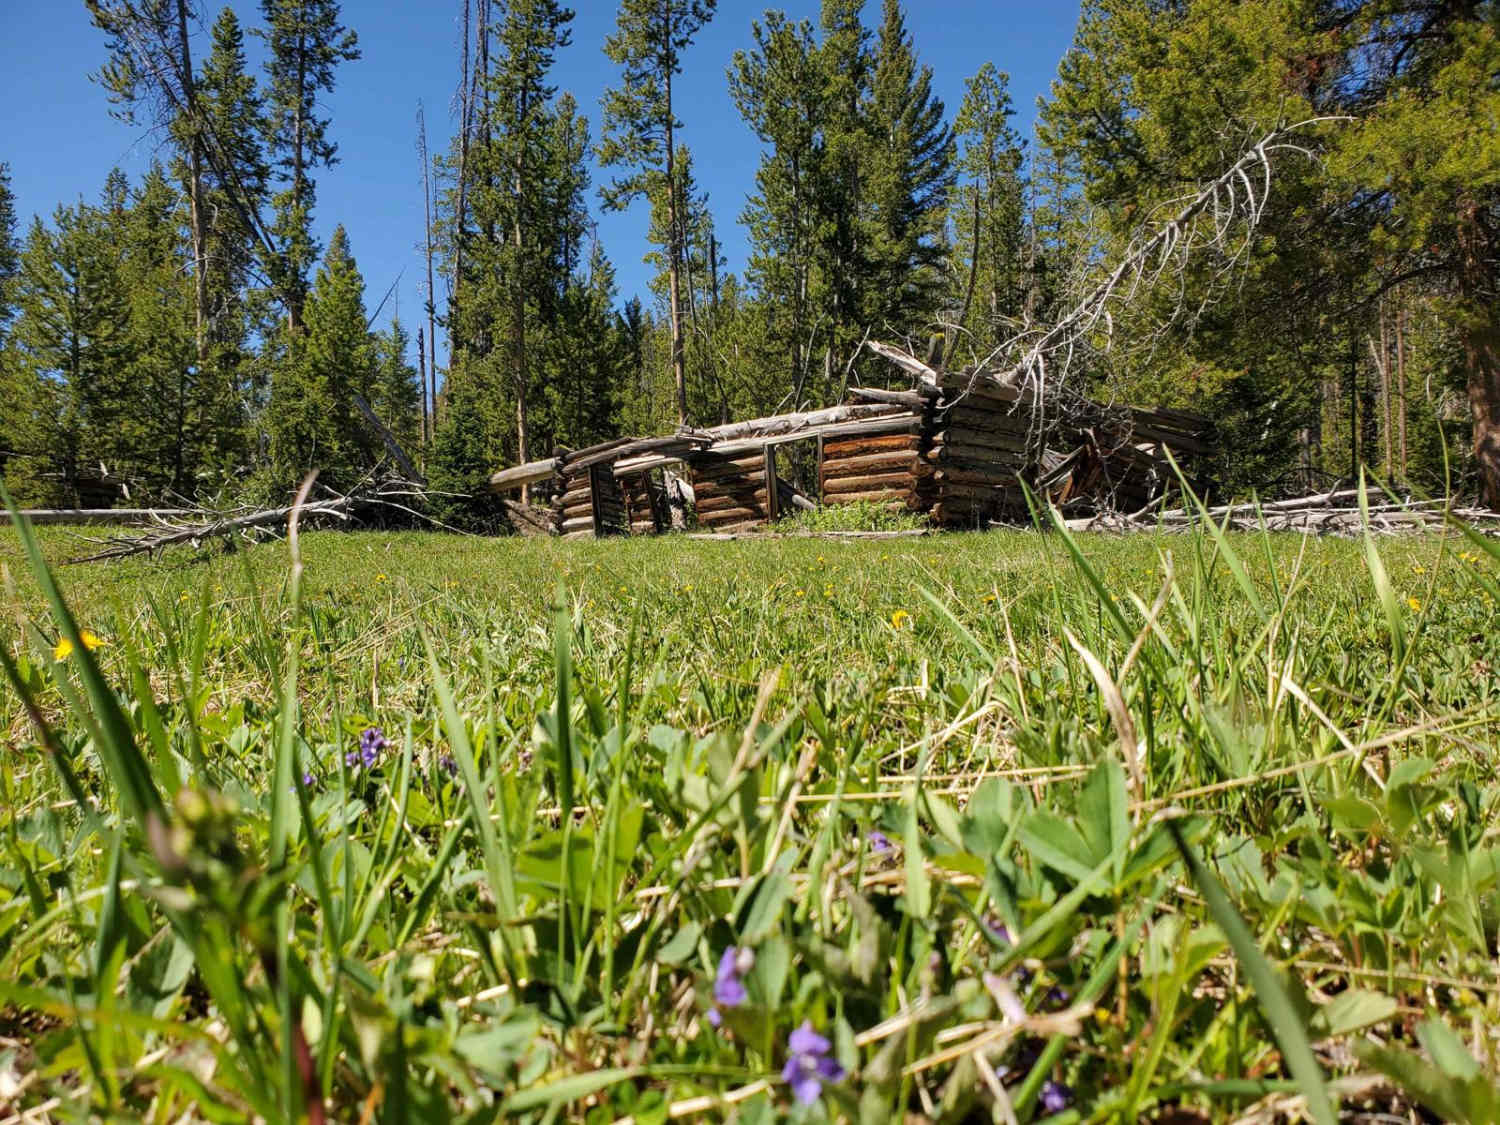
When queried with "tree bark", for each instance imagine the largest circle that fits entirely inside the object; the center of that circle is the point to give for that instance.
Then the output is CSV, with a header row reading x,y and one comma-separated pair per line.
x,y
674,250
1479,331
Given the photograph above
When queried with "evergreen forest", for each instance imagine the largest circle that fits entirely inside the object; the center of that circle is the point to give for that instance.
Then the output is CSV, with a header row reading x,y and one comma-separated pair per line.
x,y
186,335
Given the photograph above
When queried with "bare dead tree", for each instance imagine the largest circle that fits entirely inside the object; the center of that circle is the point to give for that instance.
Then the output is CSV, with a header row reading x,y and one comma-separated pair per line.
x,y
1221,219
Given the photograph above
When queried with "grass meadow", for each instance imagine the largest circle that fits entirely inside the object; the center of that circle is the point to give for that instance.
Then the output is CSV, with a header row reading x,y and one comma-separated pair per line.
x,y
971,827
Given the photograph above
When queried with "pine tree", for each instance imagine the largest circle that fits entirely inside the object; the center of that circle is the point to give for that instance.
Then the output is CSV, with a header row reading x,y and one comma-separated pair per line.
x,y
306,43
520,95
10,252
396,396
165,424
989,214
909,176
312,420
640,131
234,116
71,345
842,257
151,63
778,90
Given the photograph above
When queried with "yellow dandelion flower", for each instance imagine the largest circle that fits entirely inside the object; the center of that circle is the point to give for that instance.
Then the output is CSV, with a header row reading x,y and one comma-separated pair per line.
x,y
184,596
987,599
799,591
380,578
1419,569
64,648
899,618
1416,606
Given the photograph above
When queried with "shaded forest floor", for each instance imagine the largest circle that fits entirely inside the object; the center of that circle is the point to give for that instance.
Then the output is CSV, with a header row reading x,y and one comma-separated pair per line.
x,y
919,788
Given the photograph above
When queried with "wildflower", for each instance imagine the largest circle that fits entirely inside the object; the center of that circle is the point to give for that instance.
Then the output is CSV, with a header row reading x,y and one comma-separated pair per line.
x,y
799,591
1056,1097
987,599
1419,569
1058,997
729,989
448,765
371,742
184,596
998,929
880,843
380,578
1414,604
809,1064
899,618
64,647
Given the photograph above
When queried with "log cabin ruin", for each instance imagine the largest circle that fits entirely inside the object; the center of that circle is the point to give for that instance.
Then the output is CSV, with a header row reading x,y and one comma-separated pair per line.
x,y
961,448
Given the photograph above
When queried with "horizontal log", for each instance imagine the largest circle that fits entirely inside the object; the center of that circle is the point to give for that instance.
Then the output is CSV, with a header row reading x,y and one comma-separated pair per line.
x,y
532,472
912,400
781,424
902,459
578,535
731,515
984,422
581,523
754,502
988,443
729,471
902,481
903,497
729,486
856,446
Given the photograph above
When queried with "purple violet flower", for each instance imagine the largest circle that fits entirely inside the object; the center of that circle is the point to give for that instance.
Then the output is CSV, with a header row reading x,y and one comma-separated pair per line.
x,y
307,781
729,989
880,843
1056,1097
448,765
1058,997
371,742
998,929
809,1064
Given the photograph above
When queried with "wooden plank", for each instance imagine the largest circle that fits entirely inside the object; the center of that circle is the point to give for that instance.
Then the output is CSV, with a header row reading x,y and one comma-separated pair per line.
x,y
581,523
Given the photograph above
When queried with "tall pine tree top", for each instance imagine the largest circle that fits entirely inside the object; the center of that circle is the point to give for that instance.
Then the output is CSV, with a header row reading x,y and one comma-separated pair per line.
x,y
10,252
648,42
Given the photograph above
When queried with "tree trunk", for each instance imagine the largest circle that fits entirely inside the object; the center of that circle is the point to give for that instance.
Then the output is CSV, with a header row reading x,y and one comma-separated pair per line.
x,y
295,279
674,257
1479,331
1401,382
195,191
429,402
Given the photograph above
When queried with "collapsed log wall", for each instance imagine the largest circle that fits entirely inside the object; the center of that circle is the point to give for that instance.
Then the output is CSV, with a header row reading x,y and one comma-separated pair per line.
x,y
591,503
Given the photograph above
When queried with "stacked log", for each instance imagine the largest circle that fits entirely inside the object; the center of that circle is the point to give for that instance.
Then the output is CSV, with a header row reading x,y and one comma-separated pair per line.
x,y
729,489
974,456
575,506
881,469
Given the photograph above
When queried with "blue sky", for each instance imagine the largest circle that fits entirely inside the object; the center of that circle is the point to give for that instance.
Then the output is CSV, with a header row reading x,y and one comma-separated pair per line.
x,y
60,140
